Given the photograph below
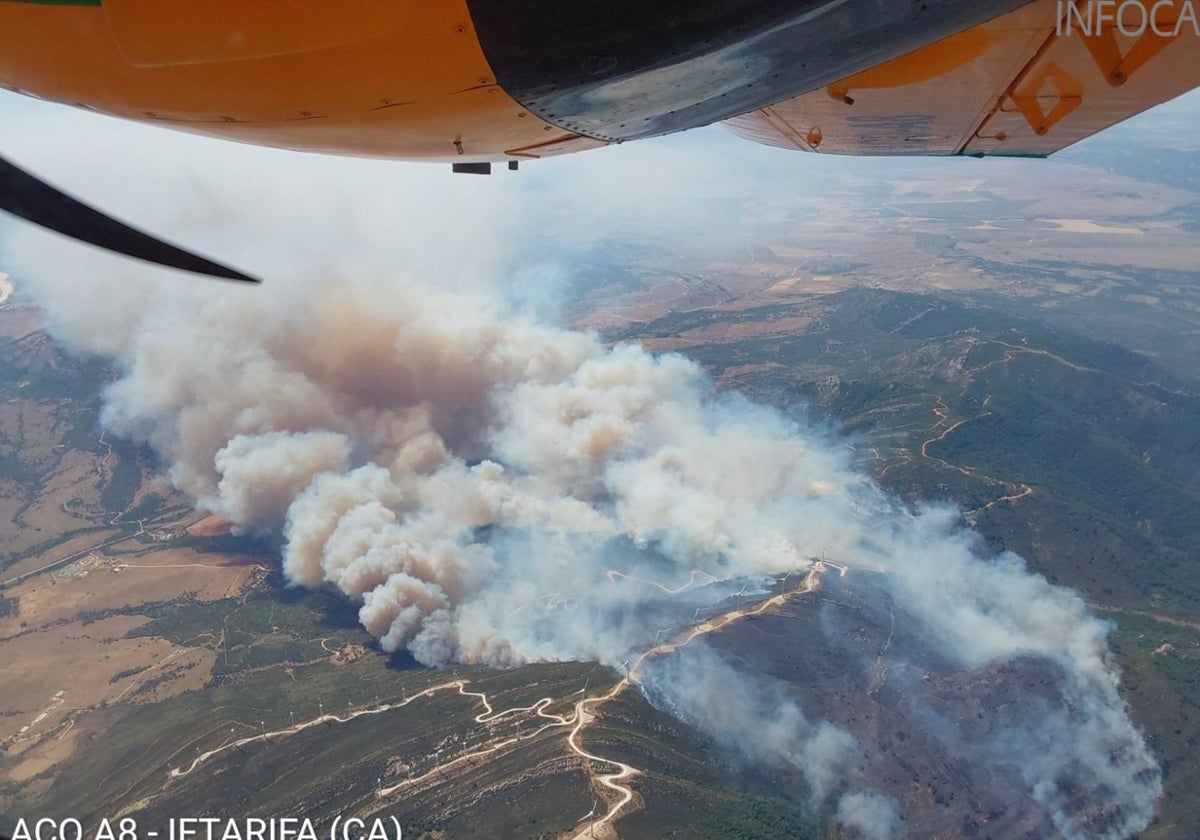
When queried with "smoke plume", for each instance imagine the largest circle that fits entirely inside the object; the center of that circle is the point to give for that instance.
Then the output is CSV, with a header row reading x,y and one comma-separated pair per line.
x,y
766,727
489,488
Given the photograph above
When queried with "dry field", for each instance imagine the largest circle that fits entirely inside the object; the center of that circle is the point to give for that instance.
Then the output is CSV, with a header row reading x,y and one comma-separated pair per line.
x,y
57,665
74,572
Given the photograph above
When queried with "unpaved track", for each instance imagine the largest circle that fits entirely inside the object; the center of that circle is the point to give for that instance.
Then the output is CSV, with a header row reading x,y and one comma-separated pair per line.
x,y
614,782
615,787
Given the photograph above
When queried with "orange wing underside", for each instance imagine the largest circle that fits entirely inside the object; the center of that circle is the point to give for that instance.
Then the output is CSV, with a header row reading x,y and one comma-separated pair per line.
x,y
408,78
1025,84
404,78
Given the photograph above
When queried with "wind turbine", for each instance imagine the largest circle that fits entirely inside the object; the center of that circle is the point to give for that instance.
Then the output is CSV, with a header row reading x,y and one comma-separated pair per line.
x,y
590,815
740,593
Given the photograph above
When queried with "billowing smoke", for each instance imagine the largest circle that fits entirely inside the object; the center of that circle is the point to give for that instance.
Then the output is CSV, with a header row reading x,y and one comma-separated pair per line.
x,y
492,489
447,465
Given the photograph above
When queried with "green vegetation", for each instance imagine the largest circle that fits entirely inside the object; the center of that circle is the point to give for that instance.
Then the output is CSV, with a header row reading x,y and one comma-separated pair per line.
x,y
1104,432
273,611
1101,449
1162,681
691,787
333,767
692,812
128,672
1106,438
148,506
126,476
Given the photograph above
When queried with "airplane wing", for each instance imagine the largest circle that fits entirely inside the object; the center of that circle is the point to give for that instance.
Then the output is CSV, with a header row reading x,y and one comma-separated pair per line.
x,y
1025,84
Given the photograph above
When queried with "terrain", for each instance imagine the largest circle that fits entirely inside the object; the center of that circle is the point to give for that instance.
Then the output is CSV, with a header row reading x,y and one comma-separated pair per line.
x,y
156,664
1026,351
1020,342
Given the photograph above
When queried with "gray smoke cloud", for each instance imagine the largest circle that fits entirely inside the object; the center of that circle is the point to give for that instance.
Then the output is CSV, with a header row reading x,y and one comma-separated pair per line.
x,y
475,479
766,727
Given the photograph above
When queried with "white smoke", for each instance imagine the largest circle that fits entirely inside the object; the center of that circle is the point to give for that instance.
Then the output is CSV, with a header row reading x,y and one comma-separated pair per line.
x,y
871,814
470,476
766,727
383,433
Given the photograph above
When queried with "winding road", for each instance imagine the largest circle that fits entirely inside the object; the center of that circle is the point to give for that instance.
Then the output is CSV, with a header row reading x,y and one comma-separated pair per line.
x,y
602,827
615,787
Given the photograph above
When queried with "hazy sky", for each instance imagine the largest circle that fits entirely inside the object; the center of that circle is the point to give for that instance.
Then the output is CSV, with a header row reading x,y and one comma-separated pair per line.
x,y
697,187
710,152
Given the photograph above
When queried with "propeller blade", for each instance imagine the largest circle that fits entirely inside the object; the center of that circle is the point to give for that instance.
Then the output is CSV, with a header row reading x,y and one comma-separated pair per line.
x,y
36,201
